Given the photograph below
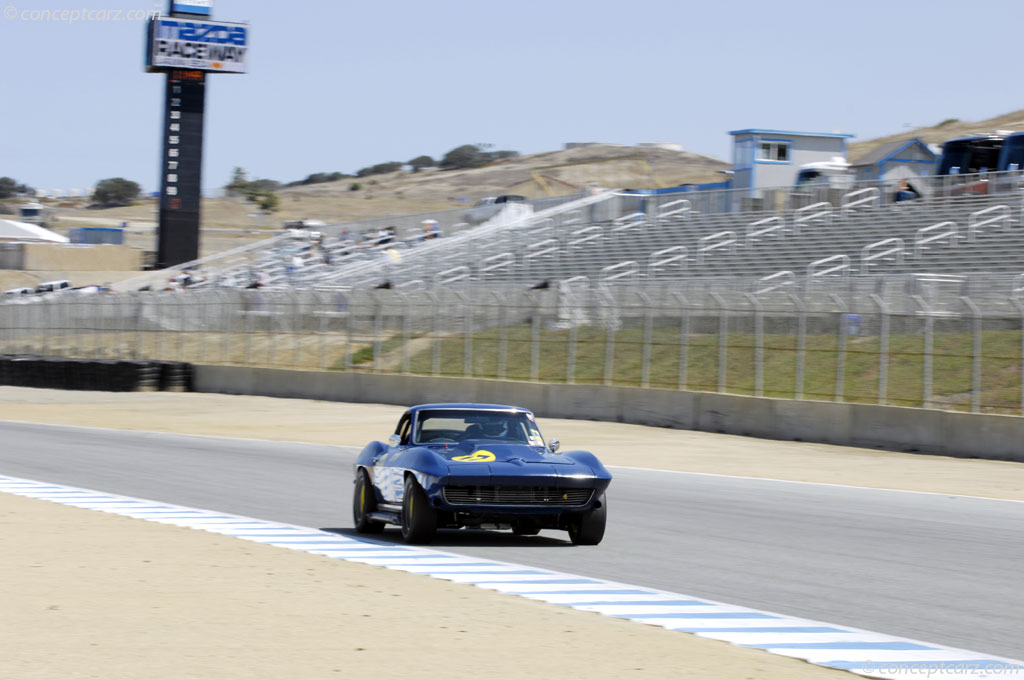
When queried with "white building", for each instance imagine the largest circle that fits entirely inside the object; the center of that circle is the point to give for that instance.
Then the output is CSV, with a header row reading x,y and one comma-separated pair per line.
x,y
772,158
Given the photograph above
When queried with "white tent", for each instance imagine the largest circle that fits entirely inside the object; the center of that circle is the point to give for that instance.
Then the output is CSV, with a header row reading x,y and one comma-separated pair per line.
x,y
22,231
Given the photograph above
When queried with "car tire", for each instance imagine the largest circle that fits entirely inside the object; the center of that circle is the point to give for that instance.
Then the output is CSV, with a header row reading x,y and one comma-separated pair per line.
x,y
364,502
419,520
587,528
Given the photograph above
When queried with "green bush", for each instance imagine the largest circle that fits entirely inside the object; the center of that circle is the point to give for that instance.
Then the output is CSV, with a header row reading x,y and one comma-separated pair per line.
x,y
115,191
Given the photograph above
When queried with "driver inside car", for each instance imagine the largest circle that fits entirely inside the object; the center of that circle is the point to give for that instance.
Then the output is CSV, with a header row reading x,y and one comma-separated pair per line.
x,y
491,428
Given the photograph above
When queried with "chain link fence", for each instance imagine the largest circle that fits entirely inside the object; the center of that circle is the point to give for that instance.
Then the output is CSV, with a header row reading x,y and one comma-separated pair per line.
x,y
868,347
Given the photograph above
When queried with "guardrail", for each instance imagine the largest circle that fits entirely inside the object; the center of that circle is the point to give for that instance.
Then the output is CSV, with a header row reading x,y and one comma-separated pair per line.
x,y
816,212
943,231
708,244
998,215
763,227
886,249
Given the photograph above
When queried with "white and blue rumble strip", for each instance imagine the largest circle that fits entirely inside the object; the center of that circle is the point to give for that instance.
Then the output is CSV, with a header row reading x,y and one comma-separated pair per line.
x,y
862,652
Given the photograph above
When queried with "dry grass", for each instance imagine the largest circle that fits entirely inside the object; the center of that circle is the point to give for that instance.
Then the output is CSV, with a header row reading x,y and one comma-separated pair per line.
x,y
535,176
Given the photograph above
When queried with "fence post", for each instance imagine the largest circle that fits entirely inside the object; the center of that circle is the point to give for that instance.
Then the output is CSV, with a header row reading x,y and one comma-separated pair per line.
x,y
157,307
322,328
225,311
247,326
182,312
929,346
138,305
44,337
609,349
535,340
406,314
758,345
204,327
502,337
348,332
976,319
570,361
1020,310
645,366
801,346
883,349
841,311
723,340
436,358
269,334
297,324
684,338
467,329
6,326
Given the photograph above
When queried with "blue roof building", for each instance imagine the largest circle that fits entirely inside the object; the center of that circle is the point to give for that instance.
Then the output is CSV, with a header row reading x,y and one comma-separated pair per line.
x,y
903,159
771,158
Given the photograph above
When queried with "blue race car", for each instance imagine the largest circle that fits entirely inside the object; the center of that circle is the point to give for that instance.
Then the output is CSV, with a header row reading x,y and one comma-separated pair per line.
x,y
477,465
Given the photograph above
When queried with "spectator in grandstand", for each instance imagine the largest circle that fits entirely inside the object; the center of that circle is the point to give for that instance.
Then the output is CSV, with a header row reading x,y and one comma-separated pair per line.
x,y
258,280
906,192
431,230
296,264
323,253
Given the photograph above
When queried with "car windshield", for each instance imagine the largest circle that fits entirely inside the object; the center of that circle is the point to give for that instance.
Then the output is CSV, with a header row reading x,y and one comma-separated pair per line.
x,y
450,426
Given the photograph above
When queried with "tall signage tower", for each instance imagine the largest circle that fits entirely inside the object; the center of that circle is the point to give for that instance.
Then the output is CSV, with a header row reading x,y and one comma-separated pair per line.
x,y
186,45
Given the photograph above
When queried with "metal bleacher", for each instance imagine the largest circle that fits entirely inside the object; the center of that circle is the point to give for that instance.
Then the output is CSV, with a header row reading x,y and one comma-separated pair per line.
x,y
620,238
671,242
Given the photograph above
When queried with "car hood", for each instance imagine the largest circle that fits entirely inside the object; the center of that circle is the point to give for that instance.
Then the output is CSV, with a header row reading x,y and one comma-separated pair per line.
x,y
494,452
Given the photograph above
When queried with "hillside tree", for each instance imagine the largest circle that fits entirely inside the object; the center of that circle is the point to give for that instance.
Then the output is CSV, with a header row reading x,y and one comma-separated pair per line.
x,y
116,191
421,162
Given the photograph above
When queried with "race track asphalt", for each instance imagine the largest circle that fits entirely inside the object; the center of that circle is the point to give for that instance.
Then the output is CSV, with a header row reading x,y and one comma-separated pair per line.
x,y
942,569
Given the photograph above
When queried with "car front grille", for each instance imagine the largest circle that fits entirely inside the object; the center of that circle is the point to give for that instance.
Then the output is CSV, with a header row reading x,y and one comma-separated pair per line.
x,y
515,495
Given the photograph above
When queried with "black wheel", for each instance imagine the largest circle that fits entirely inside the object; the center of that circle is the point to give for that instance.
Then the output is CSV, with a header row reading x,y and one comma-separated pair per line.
x,y
419,520
521,529
587,528
363,503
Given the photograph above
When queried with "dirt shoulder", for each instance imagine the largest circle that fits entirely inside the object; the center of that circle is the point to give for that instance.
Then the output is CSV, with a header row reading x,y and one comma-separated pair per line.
x,y
92,595
616,443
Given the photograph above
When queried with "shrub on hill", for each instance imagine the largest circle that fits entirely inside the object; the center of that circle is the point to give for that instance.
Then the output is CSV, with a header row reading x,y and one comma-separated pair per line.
x,y
9,188
472,156
380,169
116,191
421,162
319,178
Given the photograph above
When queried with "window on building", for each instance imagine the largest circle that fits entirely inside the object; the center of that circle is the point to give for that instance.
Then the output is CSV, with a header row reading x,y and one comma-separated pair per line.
x,y
773,151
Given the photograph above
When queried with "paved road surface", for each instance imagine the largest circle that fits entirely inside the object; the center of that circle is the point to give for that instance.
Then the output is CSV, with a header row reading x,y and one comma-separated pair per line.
x,y
941,569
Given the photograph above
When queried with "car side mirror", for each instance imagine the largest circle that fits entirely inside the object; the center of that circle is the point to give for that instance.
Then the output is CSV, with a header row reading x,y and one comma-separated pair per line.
x,y
553,445
394,440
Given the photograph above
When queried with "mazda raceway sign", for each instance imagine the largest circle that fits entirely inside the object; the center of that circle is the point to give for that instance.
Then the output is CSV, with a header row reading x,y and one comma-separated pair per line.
x,y
215,46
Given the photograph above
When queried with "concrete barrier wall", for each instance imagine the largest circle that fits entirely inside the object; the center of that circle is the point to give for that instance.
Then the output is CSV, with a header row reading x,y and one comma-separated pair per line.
x,y
886,427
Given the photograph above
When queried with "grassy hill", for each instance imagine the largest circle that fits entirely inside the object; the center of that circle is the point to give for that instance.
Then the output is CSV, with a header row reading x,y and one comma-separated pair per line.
x,y
535,176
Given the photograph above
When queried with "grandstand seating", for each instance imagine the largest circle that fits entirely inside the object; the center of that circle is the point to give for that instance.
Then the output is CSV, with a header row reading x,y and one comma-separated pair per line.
x,y
616,238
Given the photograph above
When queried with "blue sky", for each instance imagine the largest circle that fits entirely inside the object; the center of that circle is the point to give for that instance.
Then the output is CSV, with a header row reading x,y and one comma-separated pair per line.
x,y
339,85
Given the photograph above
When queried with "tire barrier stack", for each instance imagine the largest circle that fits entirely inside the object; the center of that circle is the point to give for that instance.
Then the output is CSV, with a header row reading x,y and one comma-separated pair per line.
x,y
107,375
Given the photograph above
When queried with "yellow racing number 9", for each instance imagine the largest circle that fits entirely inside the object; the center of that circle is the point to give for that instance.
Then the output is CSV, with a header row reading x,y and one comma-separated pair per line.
x,y
480,456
